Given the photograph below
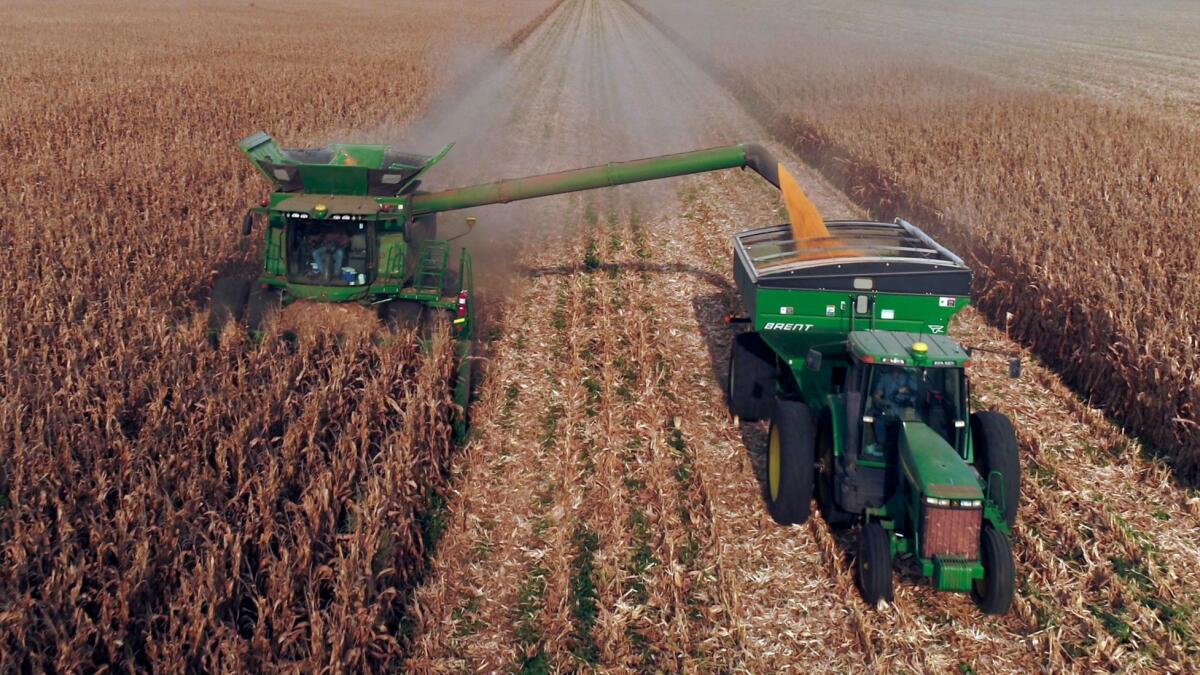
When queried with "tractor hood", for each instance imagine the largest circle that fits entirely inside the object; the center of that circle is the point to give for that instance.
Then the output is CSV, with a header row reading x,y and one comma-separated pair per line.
x,y
933,467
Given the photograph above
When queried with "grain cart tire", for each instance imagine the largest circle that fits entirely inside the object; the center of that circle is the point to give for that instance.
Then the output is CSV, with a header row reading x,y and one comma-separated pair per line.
x,y
873,568
996,450
791,439
750,386
262,303
834,515
228,301
994,592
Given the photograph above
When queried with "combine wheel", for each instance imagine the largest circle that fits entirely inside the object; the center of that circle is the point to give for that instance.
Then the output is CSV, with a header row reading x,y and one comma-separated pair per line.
x,y
750,386
228,300
996,450
263,302
874,565
404,315
790,443
833,514
994,592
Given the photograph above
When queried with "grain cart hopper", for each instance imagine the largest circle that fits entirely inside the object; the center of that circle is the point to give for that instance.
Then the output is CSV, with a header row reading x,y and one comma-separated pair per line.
x,y
846,354
348,223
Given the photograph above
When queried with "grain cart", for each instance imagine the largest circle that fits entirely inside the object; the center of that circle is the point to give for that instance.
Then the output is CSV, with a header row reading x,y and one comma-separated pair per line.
x,y
349,223
846,354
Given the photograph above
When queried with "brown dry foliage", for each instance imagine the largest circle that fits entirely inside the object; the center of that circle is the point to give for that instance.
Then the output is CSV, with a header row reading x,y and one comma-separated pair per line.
x,y
164,505
1075,215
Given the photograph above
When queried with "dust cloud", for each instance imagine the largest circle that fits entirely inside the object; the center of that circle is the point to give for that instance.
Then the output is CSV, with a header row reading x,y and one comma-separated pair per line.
x,y
595,83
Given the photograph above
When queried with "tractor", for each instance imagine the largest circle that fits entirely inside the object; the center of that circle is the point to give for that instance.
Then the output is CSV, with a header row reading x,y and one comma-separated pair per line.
x,y
842,348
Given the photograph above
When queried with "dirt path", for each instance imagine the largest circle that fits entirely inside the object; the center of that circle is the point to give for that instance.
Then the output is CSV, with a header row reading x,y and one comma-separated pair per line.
x,y
606,513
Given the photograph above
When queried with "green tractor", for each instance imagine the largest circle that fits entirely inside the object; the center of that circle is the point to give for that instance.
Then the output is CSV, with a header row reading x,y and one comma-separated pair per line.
x,y
349,223
845,353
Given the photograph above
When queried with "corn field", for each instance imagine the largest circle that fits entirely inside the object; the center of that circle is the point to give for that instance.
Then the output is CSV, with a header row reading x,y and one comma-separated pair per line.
x,y
163,505
299,505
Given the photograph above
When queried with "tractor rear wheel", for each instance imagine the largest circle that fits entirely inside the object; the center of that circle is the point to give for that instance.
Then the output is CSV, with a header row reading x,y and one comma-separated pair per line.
x,y
874,565
750,386
790,443
995,445
994,592
228,301
834,515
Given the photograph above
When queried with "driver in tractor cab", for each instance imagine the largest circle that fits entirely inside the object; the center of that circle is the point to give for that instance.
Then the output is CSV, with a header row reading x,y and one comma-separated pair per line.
x,y
895,392
332,246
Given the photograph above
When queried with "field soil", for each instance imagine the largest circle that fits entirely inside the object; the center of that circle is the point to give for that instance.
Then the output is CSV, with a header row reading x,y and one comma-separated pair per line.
x,y
607,514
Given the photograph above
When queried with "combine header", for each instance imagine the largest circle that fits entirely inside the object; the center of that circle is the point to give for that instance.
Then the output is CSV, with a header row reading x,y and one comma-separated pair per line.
x,y
349,223
846,354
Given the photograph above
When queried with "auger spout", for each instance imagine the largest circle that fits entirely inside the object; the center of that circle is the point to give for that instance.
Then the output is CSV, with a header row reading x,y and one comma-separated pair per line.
x,y
751,156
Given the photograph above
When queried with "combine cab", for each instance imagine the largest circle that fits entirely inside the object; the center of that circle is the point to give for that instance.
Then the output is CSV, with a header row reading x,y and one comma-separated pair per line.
x,y
846,355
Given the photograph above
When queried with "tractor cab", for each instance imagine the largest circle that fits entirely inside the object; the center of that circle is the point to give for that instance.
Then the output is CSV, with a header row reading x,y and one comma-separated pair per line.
x,y
908,379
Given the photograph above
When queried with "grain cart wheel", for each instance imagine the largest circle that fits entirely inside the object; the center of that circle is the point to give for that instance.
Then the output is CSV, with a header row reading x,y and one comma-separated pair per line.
x,y
833,514
262,303
750,386
228,300
874,565
996,450
994,592
790,442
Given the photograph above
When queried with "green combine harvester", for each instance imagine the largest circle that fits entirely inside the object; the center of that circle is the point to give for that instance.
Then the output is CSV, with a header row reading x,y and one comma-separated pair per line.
x,y
846,354
349,223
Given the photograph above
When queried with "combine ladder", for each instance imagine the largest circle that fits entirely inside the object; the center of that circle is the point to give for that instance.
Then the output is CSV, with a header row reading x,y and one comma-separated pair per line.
x,y
431,270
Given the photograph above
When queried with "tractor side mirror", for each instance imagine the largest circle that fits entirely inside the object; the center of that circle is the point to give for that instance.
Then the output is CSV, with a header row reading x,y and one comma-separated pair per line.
x,y
1014,367
247,223
812,360
471,220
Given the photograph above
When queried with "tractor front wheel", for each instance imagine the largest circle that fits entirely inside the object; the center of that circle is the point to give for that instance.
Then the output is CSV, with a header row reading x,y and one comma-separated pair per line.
x,y
995,445
994,592
227,303
790,443
874,565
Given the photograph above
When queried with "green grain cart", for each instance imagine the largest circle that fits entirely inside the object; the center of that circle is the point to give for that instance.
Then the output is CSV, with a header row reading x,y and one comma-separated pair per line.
x,y
845,352
349,223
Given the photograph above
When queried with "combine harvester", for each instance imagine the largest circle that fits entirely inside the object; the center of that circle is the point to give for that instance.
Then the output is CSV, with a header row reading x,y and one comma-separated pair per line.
x,y
837,309
348,223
